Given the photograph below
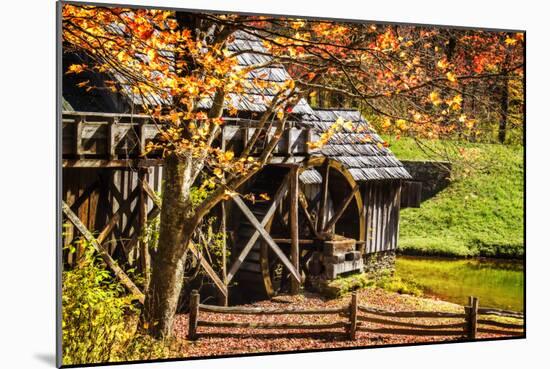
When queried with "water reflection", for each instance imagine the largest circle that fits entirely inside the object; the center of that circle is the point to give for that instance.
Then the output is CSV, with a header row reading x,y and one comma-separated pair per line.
x,y
496,283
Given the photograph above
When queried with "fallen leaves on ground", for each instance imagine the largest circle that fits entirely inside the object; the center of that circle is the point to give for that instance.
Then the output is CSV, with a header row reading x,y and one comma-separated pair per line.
x,y
214,341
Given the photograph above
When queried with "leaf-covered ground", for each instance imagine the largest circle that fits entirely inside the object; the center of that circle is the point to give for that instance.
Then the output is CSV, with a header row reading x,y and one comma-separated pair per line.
x,y
232,341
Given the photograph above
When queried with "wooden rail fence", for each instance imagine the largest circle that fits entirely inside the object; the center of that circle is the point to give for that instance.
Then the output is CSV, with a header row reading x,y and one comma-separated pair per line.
x,y
474,320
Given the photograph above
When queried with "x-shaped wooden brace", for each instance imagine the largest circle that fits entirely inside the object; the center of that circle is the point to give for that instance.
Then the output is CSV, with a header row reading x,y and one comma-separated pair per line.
x,y
111,263
260,231
198,255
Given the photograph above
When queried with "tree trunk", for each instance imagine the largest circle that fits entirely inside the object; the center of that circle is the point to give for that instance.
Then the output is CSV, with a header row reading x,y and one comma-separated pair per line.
x,y
502,126
167,262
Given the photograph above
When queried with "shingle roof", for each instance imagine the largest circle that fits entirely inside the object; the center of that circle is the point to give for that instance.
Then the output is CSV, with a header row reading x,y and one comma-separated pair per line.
x,y
366,160
360,148
252,52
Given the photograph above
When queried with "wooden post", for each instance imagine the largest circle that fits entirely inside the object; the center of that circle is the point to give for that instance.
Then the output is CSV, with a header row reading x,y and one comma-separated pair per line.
x,y
353,316
294,231
193,314
111,145
78,137
223,299
145,258
472,317
324,196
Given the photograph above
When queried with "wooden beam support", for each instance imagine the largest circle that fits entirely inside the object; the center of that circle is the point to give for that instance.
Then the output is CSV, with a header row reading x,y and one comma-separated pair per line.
x,y
115,163
129,247
304,205
343,206
224,298
145,258
85,194
324,197
294,231
151,193
209,270
281,191
111,263
248,214
108,228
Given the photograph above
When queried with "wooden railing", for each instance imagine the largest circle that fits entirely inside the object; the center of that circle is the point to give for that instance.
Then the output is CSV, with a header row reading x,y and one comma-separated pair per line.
x,y
360,318
110,140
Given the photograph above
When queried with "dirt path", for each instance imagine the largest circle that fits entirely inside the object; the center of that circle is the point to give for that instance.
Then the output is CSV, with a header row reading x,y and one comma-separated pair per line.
x,y
231,341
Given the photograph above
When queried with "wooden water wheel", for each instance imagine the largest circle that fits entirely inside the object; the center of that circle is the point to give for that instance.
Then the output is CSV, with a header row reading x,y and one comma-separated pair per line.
x,y
327,206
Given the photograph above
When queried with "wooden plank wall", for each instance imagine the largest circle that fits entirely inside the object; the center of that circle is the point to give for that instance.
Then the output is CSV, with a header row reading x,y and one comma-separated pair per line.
x,y
382,203
103,192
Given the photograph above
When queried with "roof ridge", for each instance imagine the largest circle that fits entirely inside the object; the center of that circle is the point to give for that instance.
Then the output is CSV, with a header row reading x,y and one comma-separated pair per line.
x,y
336,109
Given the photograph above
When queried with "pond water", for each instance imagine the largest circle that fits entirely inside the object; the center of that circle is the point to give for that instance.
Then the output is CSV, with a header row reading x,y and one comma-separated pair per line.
x,y
496,283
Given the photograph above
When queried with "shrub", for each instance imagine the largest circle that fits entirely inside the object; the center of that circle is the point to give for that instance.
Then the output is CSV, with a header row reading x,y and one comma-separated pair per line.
x,y
393,283
94,313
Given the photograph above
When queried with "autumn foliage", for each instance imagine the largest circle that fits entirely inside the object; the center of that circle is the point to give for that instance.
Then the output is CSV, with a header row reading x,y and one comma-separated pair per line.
x,y
177,67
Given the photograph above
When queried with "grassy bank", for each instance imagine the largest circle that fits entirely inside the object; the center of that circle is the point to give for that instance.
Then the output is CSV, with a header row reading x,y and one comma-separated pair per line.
x,y
479,214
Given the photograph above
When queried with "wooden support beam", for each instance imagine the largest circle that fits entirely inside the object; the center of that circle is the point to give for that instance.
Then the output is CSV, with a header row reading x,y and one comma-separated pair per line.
x,y
301,241
79,149
129,247
209,270
280,254
281,191
111,133
294,231
303,205
106,163
108,228
145,258
151,193
343,206
111,263
324,197
224,298
85,195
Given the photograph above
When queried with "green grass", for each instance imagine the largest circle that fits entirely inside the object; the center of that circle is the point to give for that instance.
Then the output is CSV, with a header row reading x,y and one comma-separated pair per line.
x,y
479,214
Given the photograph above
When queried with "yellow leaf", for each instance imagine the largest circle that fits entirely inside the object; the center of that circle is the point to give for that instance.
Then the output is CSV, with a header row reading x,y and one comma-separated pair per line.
x,y
401,124
434,98
457,99
229,155
451,76
510,41
76,68
264,196
442,64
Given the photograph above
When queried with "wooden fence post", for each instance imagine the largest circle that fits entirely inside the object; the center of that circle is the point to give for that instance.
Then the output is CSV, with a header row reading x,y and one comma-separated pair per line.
x,y
472,317
353,316
193,314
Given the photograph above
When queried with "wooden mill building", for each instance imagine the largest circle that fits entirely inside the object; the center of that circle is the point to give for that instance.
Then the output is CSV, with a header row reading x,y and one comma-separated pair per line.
x,y
332,211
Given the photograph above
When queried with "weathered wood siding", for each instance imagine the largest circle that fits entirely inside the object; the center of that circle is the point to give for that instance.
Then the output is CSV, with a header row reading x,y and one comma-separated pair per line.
x,y
96,194
381,205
